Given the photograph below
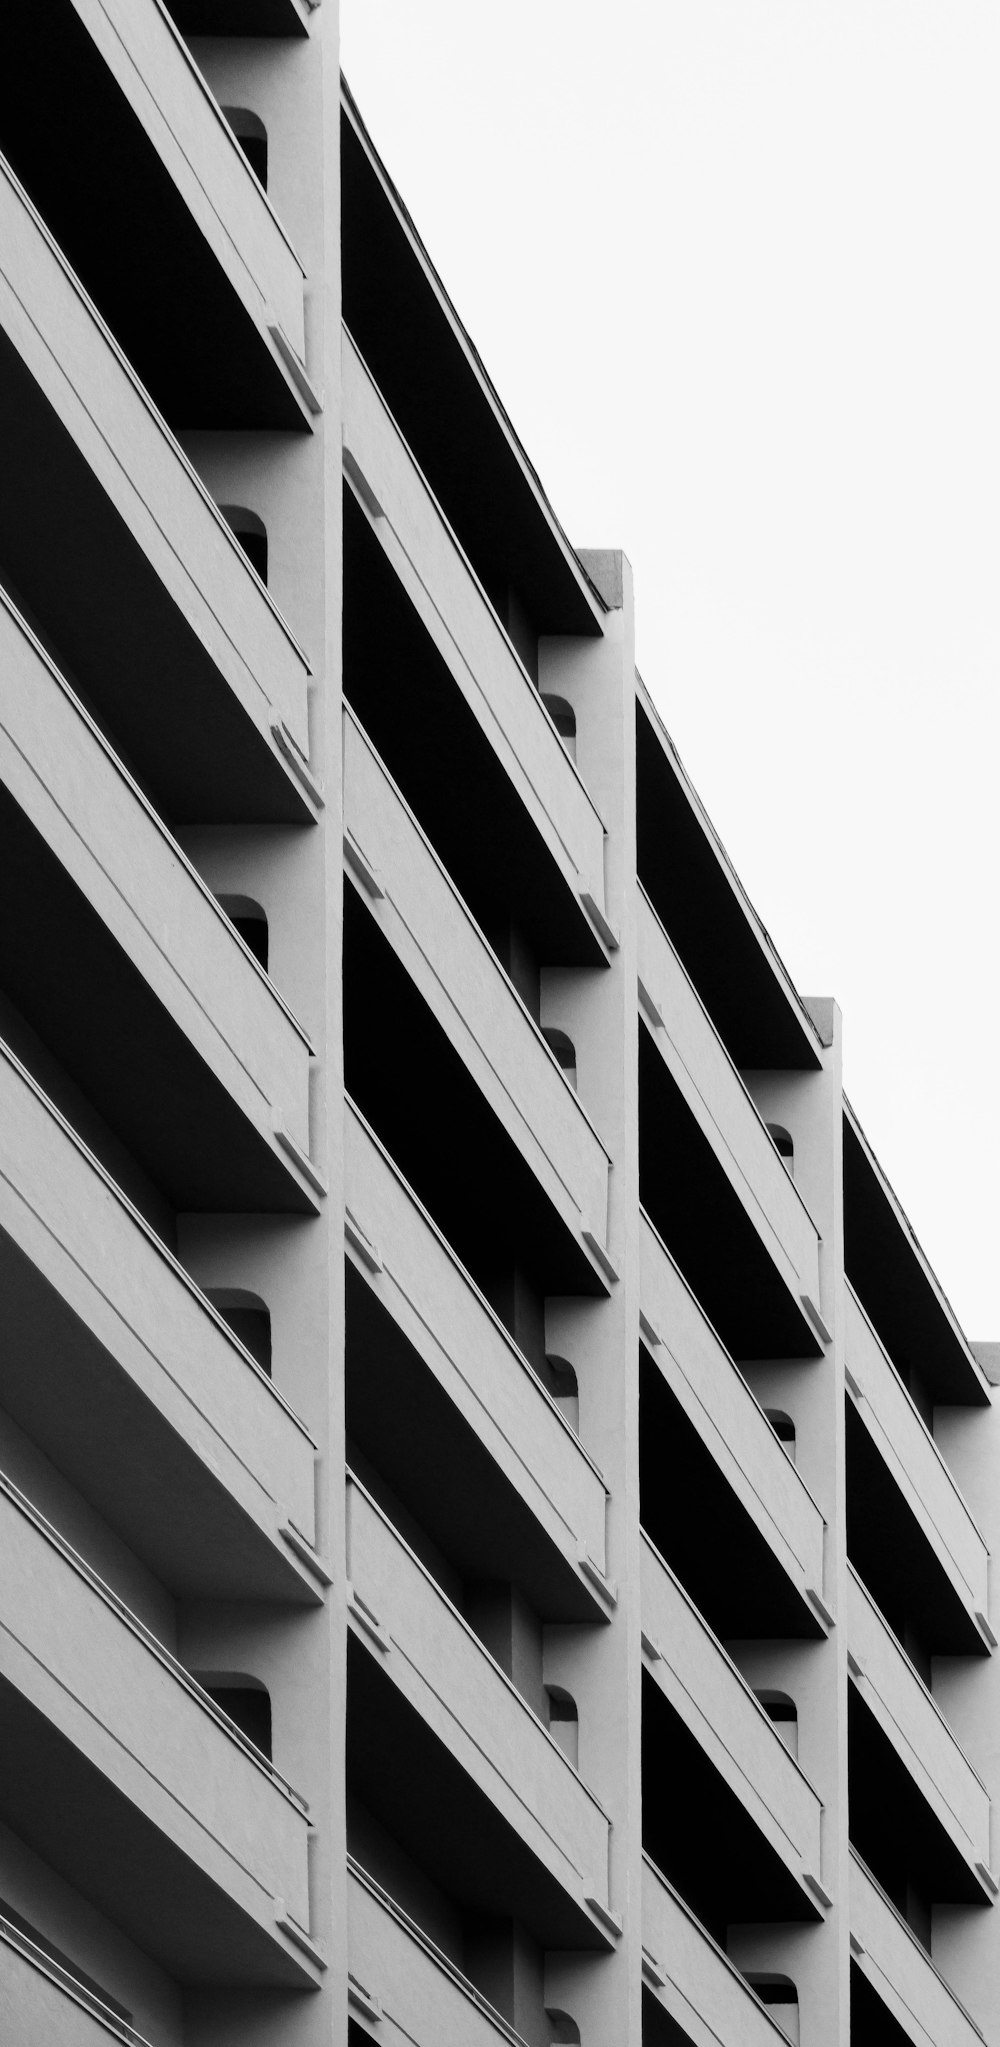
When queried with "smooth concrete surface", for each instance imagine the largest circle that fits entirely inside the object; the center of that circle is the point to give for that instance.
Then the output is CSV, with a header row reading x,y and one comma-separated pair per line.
x,y
449,962
692,1670
726,1416
460,619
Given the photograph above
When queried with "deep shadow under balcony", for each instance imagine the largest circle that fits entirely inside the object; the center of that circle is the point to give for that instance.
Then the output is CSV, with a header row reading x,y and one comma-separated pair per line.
x,y
102,184
421,1100
700,1834
708,1229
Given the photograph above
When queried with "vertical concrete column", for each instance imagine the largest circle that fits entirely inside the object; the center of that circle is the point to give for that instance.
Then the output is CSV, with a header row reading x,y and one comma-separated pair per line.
x,y
817,1958
601,1665
294,483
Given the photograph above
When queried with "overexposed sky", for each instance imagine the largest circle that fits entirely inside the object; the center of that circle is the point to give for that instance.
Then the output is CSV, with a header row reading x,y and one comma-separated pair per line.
x,y
733,267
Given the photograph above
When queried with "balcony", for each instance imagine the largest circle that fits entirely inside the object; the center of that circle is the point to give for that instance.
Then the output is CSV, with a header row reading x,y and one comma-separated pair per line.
x,y
692,1671
433,380
899,1292
478,694
710,921
448,1755
397,1975
733,1216
900,1973
113,132
691,1979
137,1390
436,1385
43,2001
113,1759
917,1468
125,965
914,1725
448,960
754,1563
117,555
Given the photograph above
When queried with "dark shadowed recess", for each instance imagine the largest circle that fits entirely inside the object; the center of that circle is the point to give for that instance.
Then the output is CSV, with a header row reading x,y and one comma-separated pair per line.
x,y
117,633
887,1274
447,769
694,1206
110,202
698,903
893,1828
93,1011
438,397
414,1438
703,1531
890,1550
421,1100
420,1793
700,1835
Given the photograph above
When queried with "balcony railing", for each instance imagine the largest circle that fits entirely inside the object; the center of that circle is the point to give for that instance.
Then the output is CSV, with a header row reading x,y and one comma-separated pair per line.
x,y
123,507
94,1707
113,1332
449,961
397,1973
452,1328
716,1096
428,1650
918,1730
707,1691
44,2001
901,1972
730,1422
691,1977
915,1462
448,597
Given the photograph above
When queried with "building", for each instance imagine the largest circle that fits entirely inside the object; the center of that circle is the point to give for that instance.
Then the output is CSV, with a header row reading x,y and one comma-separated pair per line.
x,y
457,1342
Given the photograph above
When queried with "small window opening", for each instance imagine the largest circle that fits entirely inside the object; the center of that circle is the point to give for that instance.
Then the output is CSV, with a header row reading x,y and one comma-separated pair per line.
x,y
783,1715
561,1382
563,1051
784,1429
784,1147
563,2028
251,135
563,1722
248,1318
251,533
249,920
244,1700
563,718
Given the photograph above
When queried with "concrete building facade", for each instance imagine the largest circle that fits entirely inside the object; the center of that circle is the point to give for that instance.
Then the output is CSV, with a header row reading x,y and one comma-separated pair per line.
x,y
497,1507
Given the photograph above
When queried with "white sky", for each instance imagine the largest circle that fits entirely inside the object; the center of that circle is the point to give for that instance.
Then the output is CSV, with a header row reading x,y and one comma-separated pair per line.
x,y
732,265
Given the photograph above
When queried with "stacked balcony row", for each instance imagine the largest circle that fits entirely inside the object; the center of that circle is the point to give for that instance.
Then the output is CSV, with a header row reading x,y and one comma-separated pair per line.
x,y
151,1072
